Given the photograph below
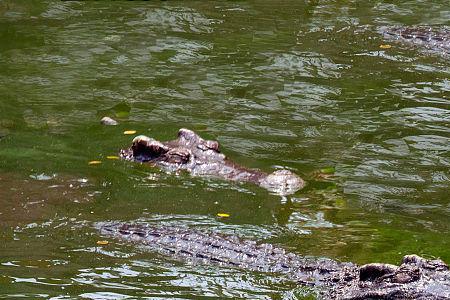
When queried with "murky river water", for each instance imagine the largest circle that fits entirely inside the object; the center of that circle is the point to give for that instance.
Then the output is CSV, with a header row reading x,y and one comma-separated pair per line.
x,y
298,84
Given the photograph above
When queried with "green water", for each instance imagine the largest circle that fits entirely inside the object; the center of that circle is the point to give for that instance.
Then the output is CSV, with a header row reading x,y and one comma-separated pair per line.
x,y
296,84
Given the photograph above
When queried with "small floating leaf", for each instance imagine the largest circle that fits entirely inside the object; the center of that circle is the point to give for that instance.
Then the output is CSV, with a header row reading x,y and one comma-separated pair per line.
x,y
112,157
94,162
386,46
129,132
102,242
223,215
328,170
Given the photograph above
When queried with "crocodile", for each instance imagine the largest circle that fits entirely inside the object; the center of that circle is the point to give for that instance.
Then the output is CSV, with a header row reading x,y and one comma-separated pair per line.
x,y
435,39
415,277
202,157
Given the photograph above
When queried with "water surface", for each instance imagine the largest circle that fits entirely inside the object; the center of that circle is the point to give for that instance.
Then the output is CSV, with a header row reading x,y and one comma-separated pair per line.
x,y
298,84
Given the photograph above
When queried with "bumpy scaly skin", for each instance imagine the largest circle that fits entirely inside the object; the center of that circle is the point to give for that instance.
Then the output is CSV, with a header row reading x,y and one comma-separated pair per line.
x,y
203,158
415,278
436,39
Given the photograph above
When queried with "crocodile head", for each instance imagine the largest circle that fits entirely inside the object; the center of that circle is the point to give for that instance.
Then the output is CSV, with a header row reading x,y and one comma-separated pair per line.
x,y
186,149
415,278
202,157
433,39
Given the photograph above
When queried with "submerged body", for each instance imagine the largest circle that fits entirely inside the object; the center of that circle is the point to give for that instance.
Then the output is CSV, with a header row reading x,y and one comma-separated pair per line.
x,y
203,158
435,39
415,278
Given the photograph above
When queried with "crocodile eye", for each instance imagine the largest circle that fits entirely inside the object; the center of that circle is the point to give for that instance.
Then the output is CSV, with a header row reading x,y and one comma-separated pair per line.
x,y
188,135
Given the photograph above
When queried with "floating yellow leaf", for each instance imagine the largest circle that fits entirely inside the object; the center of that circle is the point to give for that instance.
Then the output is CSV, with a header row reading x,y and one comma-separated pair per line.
x,y
112,157
94,162
223,215
102,242
129,132
385,46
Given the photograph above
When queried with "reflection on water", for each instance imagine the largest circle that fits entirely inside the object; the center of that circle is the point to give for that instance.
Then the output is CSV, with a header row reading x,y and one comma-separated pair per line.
x,y
304,86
